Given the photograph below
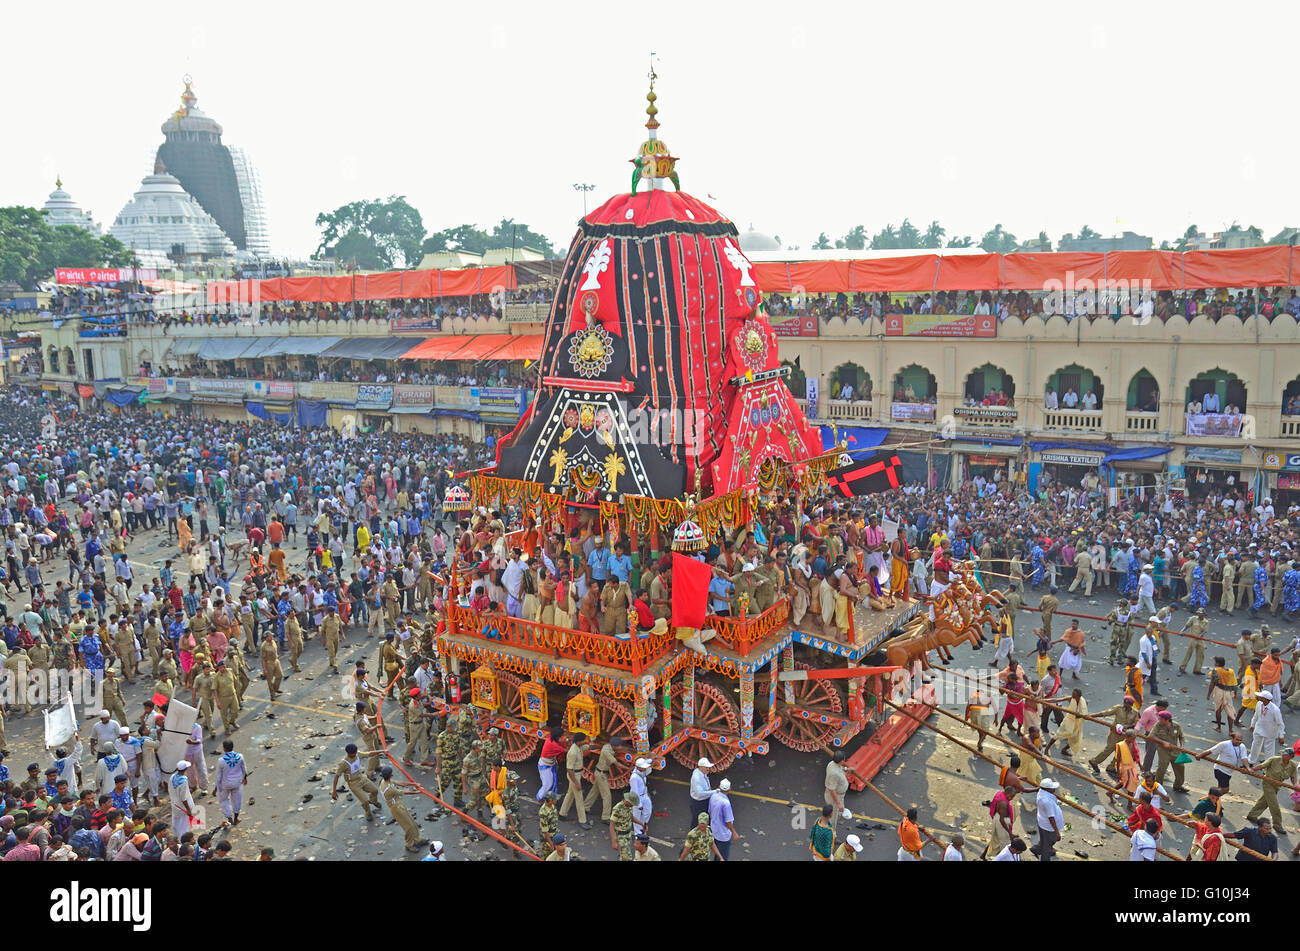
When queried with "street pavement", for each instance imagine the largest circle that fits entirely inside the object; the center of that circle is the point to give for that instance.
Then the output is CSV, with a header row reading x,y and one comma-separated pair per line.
x,y
293,745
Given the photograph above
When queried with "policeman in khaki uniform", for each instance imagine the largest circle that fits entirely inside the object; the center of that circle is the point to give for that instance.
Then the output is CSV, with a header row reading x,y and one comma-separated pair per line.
x,y
227,697
1228,599
293,632
620,826
393,793
369,731
271,664
352,771
124,645
1246,580
573,796
1083,572
153,640
605,761
113,697
331,630
205,690
1126,715
417,730
1198,626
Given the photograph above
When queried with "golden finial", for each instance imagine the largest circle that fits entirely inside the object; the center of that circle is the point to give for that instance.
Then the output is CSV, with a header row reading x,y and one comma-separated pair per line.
x,y
58,181
650,110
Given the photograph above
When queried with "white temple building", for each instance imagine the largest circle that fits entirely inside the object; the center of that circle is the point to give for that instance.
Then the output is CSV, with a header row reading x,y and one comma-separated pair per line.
x,y
61,209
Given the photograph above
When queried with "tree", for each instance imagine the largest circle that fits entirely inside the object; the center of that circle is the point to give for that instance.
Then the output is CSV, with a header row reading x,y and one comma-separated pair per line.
x,y
30,249
962,242
885,239
997,240
1044,241
933,237
1165,245
1255,234
382,233
822,243
1085,233
908,235
856,239
507,233
1183,243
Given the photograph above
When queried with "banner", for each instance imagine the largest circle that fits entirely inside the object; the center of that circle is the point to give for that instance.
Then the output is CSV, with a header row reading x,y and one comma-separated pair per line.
x,y
1230,457
1275,461
1072,458
280,389
1288,482
987,412
374,396
799,325
811,387
499,400
413,396
941,325
1214,424
911,411
103,275
218,387
414,325
865,478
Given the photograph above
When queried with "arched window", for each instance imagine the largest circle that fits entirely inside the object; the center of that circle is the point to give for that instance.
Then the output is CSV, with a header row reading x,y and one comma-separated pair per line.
x,y
797,380
991,384
1291,398
850,382
1075,387
914,384
1217,391
1143,393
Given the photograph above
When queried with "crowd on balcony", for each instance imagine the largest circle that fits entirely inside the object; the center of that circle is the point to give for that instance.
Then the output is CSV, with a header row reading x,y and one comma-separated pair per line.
x,y
906,393
1070,400
1216,303
994,397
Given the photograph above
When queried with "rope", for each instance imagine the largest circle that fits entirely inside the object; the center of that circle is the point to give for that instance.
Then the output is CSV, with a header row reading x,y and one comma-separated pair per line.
x,y
876,789
1063,768
397,764
1110,726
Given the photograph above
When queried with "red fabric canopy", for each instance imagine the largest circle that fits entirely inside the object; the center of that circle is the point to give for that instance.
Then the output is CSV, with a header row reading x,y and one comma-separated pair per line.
x,y
1271,266
436,348
522,347
385,285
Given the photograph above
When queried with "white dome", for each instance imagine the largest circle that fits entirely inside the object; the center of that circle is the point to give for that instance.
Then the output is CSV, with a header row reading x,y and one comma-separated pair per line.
x,y
163,214
60,209
752,240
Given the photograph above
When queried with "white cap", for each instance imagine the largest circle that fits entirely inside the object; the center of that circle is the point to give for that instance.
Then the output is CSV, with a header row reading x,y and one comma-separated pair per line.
x,y
435,846
182,764
749,566
1050,783
704,763
1148,567
103,713
643,763
123,731
724,785
1265,695
853,842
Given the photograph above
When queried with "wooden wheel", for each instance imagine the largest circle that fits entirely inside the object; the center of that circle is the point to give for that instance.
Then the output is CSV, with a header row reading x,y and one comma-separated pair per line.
x,y
714,714
809,734
519,746
616,722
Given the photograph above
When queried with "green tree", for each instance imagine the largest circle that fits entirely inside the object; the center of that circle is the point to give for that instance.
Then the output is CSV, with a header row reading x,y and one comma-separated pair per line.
x,y
507,233
1183,243
1085,233
30,249
822,243
856,239
1255,234
512,234
885,239
962,242
997,240
908,235
933,237
382,233
466,237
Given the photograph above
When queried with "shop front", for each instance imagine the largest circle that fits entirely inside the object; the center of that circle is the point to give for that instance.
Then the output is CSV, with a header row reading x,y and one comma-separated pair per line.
x,y
1070,467
1281,477
1210,469
994,463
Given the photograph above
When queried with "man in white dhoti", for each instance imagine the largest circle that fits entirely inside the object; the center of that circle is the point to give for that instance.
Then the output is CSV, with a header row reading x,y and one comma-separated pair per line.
x,y
1071,660
182,801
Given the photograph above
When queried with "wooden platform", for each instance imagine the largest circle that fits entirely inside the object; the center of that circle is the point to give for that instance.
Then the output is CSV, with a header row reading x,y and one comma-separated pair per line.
x,y
872,628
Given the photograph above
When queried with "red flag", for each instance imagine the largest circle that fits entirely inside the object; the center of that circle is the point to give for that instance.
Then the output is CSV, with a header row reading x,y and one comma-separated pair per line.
x,y
690,591
158,699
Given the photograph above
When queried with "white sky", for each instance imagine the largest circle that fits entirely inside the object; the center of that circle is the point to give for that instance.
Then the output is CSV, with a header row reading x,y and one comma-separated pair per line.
x,y
796,117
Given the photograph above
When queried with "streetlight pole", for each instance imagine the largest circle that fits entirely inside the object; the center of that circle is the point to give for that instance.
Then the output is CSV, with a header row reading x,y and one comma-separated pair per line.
x,y
584,189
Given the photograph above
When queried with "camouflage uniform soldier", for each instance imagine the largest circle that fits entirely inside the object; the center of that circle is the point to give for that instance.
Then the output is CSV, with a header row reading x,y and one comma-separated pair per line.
x,y
494,747
510,801
473,767
699,841
465,729
449,759
548,821
63,654
620,826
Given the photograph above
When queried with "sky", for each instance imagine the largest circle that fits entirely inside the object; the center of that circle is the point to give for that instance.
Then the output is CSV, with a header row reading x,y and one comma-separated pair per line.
x,y
795,118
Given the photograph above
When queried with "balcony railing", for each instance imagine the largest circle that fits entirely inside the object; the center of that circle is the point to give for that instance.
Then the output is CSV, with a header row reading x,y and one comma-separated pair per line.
x,y
525,313
998,416
848,409
1291,427
1083,420
742,634
1141,422
633,654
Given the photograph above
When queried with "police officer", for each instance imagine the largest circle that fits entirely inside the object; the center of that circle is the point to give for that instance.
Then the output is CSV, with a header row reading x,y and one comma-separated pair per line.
x,y
1121,631
620,826
1198,627
473,767
393,793
352,771
548,821
449,760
